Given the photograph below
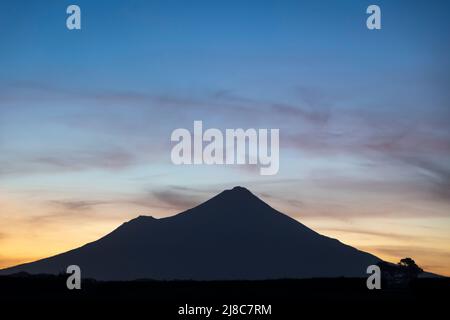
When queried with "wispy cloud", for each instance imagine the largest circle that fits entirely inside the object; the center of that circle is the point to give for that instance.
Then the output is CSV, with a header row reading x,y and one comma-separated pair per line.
x,y
438,176
366,232
72,160
176,199
77,205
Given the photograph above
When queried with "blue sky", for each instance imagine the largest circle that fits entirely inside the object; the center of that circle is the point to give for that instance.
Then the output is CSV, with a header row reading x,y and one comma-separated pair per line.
x,y
86,116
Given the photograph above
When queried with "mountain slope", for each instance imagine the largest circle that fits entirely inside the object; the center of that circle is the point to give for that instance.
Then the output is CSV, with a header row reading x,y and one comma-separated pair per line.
x,y
234,235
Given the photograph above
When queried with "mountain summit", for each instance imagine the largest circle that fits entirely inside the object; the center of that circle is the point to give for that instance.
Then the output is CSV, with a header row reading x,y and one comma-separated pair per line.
x,y
233,235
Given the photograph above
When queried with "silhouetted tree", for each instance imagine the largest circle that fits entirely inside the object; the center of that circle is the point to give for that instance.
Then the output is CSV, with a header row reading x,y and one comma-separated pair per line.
x,y
399,275
409,266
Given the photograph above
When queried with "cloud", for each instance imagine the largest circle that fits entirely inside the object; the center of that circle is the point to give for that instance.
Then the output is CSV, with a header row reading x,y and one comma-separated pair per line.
x,y
317,98
108,159
292,202
404,251
225,102
77,205
177,200
368,232
288,111
73,160
438,176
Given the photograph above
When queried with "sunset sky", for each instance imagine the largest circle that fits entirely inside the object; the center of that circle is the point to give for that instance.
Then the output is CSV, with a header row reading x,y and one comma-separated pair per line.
x,y
364,118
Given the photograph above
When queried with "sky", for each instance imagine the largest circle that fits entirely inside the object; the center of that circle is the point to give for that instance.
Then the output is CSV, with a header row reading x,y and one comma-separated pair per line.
x,y
364,116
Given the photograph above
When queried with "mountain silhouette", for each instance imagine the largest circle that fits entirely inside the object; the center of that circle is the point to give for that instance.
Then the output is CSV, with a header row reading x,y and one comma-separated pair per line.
x,y
234,235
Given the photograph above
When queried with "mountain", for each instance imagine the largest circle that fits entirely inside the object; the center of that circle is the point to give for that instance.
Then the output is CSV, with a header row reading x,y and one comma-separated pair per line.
x,y
234,235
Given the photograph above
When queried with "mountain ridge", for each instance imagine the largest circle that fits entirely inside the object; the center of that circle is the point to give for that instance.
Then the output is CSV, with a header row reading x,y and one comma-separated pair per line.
x,y
232,236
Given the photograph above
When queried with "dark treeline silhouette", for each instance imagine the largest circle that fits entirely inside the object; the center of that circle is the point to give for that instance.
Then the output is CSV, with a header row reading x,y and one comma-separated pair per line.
x,y
287,297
